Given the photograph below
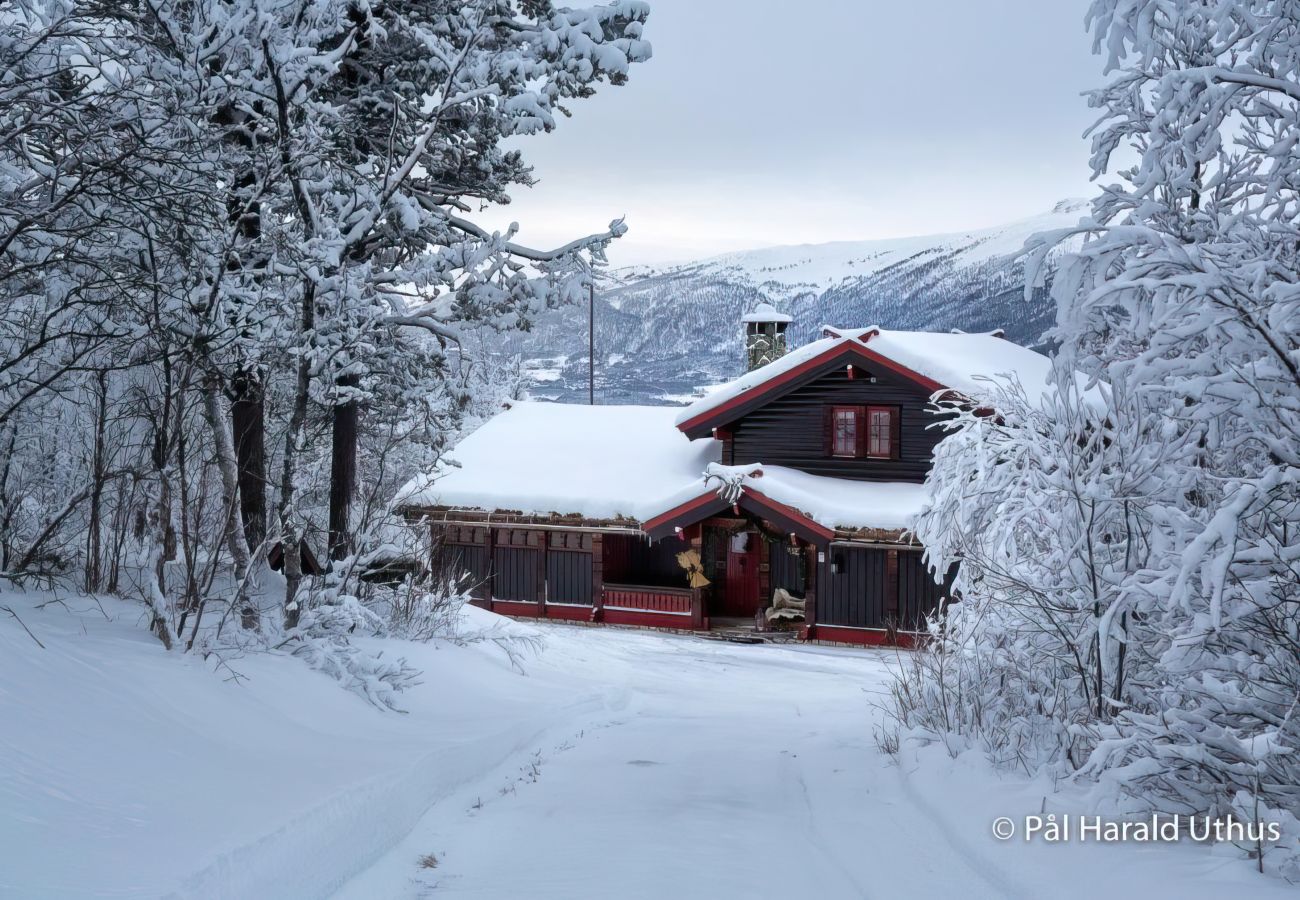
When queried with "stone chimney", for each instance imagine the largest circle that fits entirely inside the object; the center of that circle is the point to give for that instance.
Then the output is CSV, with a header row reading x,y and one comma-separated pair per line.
x,y
764,335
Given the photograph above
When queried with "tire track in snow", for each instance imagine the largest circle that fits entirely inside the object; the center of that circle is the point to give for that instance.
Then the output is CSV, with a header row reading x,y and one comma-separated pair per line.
x,y
356,827
819,842
1000,883
590,716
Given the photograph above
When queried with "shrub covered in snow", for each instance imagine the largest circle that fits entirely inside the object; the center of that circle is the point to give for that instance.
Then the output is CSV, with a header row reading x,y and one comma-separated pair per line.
x,y
1128,546
322,639
420,610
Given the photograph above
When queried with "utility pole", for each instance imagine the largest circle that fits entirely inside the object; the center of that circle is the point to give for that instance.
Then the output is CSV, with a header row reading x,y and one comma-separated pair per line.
x,y
591,341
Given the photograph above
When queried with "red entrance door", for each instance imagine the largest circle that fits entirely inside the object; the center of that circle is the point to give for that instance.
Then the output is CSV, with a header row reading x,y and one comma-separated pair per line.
x,y
741,594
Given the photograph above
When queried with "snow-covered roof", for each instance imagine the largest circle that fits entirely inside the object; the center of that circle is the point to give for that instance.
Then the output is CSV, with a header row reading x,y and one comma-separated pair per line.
x,y
832,502
840,502
598,462
766,312
958,361
610,462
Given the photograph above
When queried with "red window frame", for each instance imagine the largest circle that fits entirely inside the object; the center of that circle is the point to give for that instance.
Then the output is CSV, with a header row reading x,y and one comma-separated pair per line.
x,y
845,444
862,432
877,429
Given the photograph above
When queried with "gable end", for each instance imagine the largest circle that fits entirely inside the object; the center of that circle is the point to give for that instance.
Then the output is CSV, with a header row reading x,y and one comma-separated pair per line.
x,y
847,353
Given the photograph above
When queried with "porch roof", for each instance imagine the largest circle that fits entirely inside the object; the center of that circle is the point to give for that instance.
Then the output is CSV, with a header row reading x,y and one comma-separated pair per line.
x,y
813,506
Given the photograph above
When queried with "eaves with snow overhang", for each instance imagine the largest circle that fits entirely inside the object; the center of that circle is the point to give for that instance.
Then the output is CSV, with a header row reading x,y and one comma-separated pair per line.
x,y
562,464
816,508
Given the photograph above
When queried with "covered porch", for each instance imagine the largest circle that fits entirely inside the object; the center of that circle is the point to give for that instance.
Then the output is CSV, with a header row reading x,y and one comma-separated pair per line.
x,y
721,570
743,562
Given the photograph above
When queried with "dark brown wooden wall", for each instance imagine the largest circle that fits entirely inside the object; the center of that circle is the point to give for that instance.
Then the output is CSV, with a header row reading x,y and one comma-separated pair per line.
x,y
518,574
787,571
870,592
568,577
790,430
470,561
855,597
919,594
520,560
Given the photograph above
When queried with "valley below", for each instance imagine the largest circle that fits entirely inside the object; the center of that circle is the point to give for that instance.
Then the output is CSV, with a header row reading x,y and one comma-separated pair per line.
x,y
663,334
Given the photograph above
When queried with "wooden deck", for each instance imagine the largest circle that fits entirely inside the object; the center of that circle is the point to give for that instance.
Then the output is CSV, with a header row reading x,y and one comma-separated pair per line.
x,y
743,631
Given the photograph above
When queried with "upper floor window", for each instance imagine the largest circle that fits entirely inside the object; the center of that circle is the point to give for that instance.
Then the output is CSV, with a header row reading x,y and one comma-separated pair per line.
x,y
844,434
862,431
880,431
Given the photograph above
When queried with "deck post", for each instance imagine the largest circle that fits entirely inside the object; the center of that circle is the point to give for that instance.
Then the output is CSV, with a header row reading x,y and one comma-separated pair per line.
x,y
810,592
491,581
891,586
544,539
597,577
699,615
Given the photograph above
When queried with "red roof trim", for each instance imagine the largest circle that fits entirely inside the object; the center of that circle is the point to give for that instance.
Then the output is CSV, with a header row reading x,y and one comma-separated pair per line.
x,y
765,387
762,499
710,497
677,511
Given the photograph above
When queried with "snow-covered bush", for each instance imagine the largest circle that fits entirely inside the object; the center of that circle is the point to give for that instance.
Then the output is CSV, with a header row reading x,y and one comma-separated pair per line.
x,y
322,639
1130,544
422,610
1045,517
517,641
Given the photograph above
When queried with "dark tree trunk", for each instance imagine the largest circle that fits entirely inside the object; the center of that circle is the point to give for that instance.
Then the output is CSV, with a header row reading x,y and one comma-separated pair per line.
x,y
8,505
343,471
247,392
248,425
94,549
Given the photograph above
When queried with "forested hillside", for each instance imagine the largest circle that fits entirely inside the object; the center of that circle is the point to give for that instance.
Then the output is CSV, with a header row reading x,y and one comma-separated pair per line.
x,y
661,332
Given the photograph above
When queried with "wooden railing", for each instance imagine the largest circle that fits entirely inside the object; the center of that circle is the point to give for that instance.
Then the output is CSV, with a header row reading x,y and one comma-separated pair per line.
x,y
643,598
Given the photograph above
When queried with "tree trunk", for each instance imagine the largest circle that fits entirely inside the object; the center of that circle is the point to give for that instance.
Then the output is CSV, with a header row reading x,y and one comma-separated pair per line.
x,y
248,421
230,491
290,529
343,471
94,527
155,588
7,506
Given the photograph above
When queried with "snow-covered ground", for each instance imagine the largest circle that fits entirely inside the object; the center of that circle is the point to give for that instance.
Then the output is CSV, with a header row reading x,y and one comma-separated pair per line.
x,y
621,764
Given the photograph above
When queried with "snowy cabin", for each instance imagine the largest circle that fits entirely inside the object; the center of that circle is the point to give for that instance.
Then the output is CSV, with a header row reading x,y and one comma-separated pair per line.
x,y
800,477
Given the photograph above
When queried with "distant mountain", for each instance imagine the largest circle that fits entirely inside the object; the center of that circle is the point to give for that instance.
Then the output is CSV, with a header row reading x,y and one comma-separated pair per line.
x,y
664,332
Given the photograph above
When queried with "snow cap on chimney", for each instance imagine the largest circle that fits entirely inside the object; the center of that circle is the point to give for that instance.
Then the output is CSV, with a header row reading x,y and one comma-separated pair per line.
x,y
766,312
764,335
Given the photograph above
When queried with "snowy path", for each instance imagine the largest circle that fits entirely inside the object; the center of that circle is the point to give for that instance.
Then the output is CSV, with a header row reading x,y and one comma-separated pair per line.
x,y
731,771
735,771
624,764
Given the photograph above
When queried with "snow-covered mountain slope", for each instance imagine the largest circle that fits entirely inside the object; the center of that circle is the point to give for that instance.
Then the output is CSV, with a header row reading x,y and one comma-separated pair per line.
x,y
661,332
825,265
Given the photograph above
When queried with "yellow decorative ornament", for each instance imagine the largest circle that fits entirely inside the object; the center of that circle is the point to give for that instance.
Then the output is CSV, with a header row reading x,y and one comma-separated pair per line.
x,y
690,561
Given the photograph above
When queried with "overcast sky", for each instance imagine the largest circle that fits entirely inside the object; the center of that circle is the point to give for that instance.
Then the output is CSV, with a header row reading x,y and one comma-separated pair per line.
x,y
800,121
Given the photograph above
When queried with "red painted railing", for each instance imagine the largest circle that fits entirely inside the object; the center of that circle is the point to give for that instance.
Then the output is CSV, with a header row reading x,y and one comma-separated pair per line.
x,y
638,598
